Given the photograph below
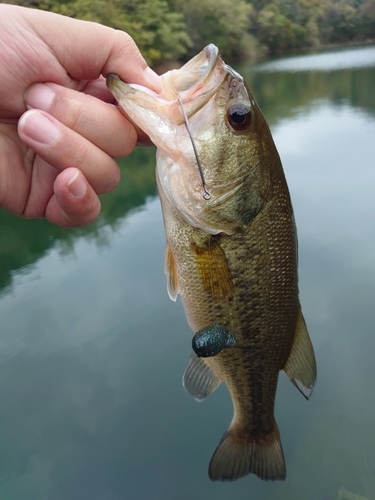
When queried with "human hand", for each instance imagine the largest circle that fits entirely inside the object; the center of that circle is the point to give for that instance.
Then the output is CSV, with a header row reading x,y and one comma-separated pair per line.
x,y
58,138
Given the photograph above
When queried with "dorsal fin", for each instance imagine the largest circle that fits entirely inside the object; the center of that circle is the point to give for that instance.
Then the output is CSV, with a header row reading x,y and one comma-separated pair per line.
x,y
301,366
199,380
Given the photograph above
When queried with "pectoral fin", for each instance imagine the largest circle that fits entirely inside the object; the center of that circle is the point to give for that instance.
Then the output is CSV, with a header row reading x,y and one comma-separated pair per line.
x,y
301,365
199,380
171,273
213,269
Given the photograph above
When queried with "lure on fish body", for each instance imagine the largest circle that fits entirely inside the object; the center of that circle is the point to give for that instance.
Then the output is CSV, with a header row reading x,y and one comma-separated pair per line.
x,y
211,340
232,258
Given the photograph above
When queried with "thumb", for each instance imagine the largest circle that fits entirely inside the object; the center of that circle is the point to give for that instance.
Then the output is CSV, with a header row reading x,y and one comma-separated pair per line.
x,y
111,51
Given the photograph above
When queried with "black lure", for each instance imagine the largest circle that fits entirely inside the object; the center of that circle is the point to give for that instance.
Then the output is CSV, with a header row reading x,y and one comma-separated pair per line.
x,y
211,340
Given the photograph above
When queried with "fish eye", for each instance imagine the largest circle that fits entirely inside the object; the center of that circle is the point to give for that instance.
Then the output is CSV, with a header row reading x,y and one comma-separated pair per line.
x,y
239,117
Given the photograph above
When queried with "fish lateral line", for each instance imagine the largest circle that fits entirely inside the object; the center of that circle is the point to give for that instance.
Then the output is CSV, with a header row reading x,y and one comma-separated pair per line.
x,y
211,340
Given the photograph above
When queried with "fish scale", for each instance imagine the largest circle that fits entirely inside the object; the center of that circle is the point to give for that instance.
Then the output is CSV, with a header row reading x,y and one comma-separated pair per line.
x,y
233,258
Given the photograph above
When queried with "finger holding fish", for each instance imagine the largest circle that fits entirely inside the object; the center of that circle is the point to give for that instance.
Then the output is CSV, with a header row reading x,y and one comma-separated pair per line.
x,y
60,116
85,114
48,138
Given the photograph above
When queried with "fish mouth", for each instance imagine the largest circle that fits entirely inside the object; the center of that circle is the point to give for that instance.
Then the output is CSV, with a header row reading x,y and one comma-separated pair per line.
x,y
195,74
118,87
166,117
194,83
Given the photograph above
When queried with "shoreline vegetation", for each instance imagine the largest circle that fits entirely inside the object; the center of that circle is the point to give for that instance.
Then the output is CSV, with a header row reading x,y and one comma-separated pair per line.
x,y
170,32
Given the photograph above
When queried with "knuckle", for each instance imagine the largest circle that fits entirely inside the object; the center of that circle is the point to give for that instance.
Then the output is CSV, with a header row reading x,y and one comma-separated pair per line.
x,y
91,212
111,178
82,213
80,157
127,143
70,111
101,170
129,49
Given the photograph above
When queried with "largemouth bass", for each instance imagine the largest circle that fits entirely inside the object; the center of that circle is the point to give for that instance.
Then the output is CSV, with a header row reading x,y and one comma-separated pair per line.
x,y
231,251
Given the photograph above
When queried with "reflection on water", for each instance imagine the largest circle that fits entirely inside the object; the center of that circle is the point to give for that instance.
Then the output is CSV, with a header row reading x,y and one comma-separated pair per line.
x,y
92,350
359,57
24,242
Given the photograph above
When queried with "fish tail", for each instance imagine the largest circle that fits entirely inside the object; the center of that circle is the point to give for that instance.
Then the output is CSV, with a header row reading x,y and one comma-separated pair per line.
x,y
238,455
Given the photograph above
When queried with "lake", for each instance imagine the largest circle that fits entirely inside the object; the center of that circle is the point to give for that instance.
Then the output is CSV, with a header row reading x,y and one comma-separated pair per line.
x,y
92,351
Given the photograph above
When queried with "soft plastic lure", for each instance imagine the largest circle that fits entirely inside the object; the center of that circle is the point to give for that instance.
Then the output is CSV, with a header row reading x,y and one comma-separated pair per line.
x,y
211,340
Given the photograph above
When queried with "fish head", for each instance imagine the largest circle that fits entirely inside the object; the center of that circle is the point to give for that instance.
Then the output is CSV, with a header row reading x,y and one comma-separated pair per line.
x,y
229,133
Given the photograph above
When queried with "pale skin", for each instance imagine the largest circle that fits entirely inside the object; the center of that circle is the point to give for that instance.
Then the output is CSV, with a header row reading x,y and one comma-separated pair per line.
x,y
59,127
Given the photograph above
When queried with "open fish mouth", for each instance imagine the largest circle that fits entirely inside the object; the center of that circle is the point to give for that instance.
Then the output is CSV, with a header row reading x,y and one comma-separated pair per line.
x,y
181,121
195,74
194,83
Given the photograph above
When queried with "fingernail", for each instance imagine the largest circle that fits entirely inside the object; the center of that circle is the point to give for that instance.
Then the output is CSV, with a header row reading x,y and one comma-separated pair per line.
x,y
77,185
153,78
39,96
38,127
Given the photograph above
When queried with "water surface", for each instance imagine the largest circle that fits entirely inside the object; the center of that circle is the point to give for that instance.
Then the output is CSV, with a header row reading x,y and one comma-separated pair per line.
x,y
92,350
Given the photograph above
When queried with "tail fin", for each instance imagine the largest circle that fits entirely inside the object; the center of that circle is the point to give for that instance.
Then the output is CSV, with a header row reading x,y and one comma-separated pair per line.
x,y
237,456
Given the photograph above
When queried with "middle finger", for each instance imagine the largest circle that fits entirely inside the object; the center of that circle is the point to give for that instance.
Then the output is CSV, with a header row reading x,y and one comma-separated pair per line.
x,y
99,122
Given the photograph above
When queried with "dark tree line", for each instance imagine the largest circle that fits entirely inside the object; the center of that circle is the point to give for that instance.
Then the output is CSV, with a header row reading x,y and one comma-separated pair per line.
x,y
177,29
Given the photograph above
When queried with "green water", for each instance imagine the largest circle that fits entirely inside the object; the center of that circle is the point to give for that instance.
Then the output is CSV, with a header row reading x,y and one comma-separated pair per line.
x,y
92,350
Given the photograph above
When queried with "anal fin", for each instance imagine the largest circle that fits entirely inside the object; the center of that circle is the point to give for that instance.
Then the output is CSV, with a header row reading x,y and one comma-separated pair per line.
x,y
301,365
238,455
199,380
171,273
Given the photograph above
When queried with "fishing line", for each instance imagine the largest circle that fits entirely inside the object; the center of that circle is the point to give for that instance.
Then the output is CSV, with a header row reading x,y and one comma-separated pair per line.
x,y
206,195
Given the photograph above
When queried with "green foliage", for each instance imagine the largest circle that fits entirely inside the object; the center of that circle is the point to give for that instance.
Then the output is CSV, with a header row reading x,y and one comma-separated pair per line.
x,y
282,25
277,32
339,23
222,22
178,29
366,20
160,33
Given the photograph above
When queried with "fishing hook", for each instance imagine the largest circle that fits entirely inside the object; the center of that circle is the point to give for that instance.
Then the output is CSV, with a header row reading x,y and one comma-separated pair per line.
x,y
207,194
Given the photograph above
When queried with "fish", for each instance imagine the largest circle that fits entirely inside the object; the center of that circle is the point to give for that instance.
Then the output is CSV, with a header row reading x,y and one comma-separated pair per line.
x,y
231,251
